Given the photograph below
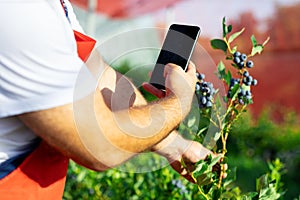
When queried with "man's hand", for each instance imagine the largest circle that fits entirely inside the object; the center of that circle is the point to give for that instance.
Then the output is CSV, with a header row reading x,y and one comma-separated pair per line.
x,y
174,83
178,83
175,149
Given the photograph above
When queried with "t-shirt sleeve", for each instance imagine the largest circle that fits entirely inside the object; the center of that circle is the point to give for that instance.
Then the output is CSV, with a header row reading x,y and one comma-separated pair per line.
x,y
39,64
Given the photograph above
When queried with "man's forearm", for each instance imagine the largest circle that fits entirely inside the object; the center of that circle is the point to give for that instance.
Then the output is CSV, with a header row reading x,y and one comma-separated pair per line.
x,y
139,128
114,137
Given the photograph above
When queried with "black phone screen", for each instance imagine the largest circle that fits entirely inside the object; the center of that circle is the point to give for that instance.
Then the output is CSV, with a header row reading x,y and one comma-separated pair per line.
x,y
177,48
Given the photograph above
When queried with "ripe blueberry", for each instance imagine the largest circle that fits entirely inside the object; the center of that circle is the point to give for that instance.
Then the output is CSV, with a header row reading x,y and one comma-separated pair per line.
x,y
208,90
236,54
246,73
197,86
246,82
254,82
243,92
248,93
236,60
204,84
203,89
208,104
243,57
203,100
249,78
250,64
200,76
241,64
229,94
240,94
209,97
232,81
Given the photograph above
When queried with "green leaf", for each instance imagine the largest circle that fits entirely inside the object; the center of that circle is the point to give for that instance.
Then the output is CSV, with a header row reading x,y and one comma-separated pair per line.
x,y
221,70
234,65
217,136
204,179
219,44
262,182
221,67
254,42
269,193
235,35
191,121
234,91
202,130
257,49
225,99
249,195
200,169
229,28
228,77
225,29
234,49
228,184
81,176
215,193
215,160
235,111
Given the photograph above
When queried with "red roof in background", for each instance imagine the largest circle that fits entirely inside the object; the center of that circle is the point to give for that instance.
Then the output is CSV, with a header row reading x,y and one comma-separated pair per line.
x,y
125,8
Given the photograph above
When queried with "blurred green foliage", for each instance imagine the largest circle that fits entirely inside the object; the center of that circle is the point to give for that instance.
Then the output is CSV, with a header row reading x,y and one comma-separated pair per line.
x,y
115,184
254,142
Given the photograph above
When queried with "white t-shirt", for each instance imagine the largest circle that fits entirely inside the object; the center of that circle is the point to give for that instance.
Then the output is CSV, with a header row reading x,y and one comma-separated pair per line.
x,y
38,66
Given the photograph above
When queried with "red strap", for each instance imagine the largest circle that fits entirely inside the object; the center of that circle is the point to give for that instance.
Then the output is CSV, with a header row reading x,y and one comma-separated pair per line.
x,y
85,45
42,175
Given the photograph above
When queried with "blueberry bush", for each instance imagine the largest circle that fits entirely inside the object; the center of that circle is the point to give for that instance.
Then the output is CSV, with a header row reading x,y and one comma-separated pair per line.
x,y
221,112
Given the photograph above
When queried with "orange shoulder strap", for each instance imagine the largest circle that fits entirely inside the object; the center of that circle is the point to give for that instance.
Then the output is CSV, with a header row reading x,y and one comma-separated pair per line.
x,y
85,45
42,175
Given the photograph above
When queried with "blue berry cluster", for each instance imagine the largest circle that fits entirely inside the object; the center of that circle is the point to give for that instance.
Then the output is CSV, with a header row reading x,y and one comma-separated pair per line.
x,y
243,92
248,80
240,59
243,95
204,91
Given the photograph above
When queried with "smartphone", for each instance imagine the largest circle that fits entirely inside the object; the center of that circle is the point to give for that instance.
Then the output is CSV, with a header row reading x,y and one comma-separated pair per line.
x,y
177,48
